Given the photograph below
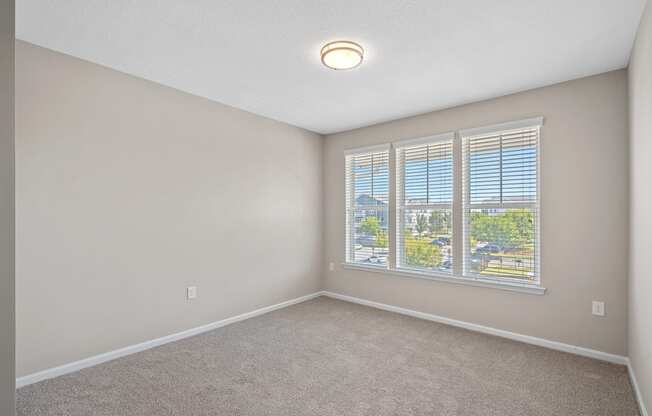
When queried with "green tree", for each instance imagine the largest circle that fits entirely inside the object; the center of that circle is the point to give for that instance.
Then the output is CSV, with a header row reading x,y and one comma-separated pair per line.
x,y
420,252
381,239
372,226
440,222
421,225
523,221
512,228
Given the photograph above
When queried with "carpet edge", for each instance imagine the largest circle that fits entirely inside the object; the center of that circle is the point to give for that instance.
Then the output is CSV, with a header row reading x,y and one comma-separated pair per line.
x,y
132,349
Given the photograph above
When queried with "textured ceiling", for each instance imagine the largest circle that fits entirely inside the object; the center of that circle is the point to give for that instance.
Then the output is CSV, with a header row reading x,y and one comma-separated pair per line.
x,y
263,56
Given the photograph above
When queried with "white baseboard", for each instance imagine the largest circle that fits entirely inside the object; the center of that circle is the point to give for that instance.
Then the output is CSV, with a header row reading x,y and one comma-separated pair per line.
x,y
637,391
586,352
112,355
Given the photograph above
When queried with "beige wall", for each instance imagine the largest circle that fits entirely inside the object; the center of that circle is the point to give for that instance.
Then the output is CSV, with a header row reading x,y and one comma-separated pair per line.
x,y
640,285
7,207
583,225
128,191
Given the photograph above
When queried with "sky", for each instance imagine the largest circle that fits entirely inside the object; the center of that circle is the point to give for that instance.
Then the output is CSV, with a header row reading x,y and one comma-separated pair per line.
x,y
430,181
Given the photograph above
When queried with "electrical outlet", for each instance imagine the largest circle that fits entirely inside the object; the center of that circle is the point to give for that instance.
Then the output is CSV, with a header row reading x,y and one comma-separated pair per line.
x,y
598,308
331,266
191,292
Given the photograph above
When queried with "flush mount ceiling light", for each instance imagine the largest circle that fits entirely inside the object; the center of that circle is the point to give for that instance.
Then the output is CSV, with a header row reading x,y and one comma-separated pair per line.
x,y
342,54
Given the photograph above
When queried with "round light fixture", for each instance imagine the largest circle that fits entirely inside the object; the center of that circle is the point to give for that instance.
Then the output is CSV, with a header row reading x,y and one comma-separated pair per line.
x,y
342,54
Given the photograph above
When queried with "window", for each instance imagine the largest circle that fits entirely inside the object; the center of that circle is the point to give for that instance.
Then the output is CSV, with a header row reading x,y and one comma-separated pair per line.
x,y
501,204
425,204
367,207
465,206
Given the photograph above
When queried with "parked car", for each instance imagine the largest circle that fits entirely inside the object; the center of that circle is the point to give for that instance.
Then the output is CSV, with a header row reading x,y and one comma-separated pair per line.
x,y
438,242
375,260
445,266
441,241
488,249
366,240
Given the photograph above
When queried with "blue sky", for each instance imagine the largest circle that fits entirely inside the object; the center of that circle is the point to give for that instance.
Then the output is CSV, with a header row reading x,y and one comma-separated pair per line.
x,y
432,181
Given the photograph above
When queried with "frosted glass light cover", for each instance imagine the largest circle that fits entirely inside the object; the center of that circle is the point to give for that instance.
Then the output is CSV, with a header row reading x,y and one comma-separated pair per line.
x,y
342,55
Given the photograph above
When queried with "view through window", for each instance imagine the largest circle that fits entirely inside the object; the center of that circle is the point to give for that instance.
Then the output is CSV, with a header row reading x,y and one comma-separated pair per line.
x,y
425,200
501,214
466,204
367,208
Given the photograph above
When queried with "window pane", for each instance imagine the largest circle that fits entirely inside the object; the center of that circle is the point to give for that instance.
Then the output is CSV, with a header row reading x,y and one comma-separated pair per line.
x,y
502,242
367,199
370,175
503,168
370,237
519,171
484,170
428,174
427,241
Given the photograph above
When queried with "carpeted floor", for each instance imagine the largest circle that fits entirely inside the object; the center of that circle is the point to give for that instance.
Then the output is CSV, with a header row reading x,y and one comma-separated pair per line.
x,y
327,357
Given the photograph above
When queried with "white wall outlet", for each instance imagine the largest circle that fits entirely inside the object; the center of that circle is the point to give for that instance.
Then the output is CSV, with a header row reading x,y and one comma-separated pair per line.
x,y
191,292
598,308
331,266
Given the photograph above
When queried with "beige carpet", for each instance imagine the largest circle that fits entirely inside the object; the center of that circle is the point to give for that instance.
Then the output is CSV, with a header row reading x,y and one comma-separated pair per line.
x,y
327,357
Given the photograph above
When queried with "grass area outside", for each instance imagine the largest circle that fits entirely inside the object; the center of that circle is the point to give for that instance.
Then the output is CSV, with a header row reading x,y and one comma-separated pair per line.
x,y
517,274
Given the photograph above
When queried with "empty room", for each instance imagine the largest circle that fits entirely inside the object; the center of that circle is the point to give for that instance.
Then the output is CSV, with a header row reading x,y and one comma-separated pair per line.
x,y
298,207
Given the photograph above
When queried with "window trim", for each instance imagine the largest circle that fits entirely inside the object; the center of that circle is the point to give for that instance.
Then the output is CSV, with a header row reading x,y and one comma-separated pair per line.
x,y
418,141
502,128
510,125
520,287
348,220
400,207
456,276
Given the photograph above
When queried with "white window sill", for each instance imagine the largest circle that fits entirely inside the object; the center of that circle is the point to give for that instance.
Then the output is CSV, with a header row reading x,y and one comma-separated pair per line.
x,y
531,289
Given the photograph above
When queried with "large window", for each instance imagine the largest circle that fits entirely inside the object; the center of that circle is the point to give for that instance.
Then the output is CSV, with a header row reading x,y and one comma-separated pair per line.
x,y
425,204
367,207
465,206
501,204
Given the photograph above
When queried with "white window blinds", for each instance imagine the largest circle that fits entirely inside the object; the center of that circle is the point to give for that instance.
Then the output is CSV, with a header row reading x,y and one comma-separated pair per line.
x,y
367,208
464,205
501,204
424,205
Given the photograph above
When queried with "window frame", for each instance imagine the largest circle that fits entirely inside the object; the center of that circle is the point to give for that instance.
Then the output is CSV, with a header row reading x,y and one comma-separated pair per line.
x,y
458,274
501,129
350,206
399,148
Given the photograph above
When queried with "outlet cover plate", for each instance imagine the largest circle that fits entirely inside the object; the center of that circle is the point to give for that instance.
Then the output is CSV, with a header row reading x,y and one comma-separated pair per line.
x,y
191,292
598,308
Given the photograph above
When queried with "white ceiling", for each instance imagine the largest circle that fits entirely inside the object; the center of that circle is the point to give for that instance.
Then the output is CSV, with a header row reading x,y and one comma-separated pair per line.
x,y
263,56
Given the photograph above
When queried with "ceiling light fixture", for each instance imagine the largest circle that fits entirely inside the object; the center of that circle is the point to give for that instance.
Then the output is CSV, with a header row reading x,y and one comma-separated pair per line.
x,y
342,54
